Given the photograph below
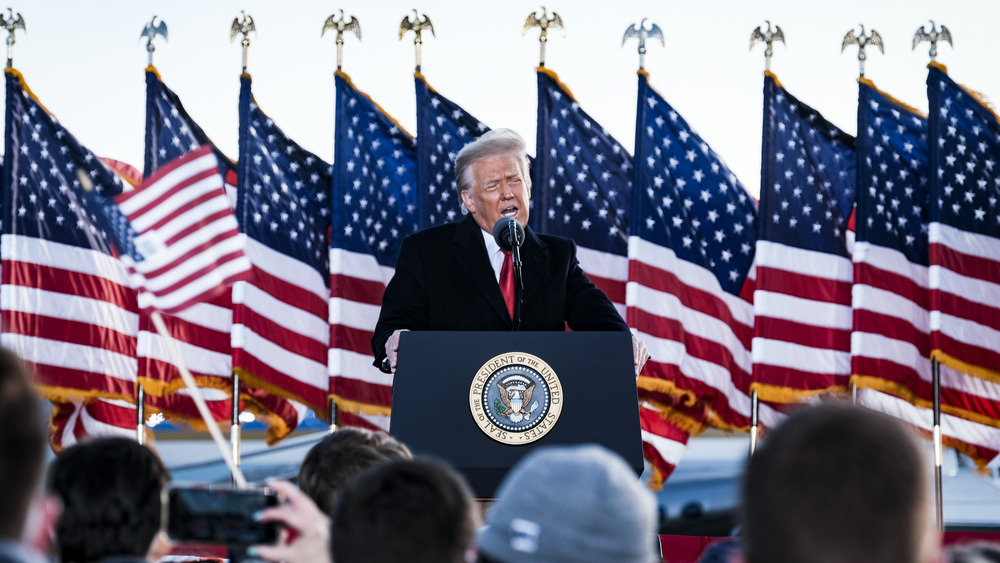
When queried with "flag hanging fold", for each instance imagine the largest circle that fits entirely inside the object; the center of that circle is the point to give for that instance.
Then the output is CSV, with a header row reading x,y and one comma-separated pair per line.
x,y
663,444
980,442
280,332
964,140
67,308
74,422
203,330
802,300
690,281
443,128
582,184
375,205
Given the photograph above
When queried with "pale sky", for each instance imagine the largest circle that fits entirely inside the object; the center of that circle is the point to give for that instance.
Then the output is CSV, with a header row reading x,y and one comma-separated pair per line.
x,y
85,63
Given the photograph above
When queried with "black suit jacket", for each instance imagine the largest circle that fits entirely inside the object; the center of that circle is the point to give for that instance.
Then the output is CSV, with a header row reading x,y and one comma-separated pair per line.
x,y
444,281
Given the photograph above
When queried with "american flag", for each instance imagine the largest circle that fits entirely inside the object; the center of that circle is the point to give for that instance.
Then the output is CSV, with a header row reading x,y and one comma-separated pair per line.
x,y
582,184
280,333
77,421
67,307
183,242
203,330
981,442
890,345
802,301
663,444
691,253
170,132
74,422
964,139
443,128
375,205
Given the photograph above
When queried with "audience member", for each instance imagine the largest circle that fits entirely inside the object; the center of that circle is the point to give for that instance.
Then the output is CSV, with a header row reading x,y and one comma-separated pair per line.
x,y
338,457
22,457
838,484
410,511
576,504
110,491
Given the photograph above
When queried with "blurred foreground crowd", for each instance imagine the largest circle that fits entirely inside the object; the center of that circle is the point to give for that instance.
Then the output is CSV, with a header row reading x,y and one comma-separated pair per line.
x,y
833,484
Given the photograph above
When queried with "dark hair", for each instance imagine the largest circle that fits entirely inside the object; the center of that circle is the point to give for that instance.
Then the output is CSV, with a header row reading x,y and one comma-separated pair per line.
x,y
110,490
835,483
412,511
22,444
339,456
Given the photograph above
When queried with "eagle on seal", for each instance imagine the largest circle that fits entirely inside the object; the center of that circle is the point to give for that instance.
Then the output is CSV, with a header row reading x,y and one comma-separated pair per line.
x,y
514,400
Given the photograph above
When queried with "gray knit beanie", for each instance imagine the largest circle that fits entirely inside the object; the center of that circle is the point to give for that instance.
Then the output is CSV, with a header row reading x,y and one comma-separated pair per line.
x,y
575,504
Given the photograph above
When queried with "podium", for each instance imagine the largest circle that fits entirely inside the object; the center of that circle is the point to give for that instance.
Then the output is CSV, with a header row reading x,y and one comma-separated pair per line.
x,y
434,400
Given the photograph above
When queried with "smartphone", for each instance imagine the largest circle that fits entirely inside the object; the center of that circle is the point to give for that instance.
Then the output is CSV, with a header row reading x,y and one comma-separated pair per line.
x,y
218,515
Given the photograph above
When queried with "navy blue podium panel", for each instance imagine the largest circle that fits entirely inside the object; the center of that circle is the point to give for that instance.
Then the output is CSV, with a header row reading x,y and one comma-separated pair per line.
x,y
434,400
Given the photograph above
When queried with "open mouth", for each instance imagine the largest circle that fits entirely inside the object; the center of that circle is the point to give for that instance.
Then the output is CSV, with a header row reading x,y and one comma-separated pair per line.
x,y
509,212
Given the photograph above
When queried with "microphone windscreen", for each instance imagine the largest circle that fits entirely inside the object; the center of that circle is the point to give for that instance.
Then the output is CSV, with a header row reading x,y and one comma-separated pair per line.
x,y
502,233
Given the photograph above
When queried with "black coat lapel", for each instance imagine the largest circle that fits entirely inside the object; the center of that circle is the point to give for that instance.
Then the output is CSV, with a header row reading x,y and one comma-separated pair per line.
x,y
470,253
534,264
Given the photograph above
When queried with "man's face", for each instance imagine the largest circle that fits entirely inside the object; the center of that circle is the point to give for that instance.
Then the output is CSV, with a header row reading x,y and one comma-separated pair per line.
x,y
499,189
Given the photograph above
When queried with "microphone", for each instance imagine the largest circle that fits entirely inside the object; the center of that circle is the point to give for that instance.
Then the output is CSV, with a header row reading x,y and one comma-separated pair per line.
x,y
508,233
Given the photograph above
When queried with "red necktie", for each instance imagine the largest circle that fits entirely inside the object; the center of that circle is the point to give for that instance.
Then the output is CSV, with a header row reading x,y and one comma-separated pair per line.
x,y
507,281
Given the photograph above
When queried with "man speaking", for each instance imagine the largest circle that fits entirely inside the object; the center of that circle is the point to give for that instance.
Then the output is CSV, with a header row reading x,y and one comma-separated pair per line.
x,y
457,276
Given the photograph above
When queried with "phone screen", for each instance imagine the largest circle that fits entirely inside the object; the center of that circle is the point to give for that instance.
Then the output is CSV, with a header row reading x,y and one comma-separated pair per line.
x,y
221,516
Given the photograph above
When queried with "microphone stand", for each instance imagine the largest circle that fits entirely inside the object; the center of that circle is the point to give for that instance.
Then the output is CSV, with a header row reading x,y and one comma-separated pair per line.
x,y
518,280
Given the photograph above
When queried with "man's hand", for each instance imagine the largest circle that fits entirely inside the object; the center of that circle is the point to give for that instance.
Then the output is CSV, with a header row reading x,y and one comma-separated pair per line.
x,y
300,513
392,348
639,354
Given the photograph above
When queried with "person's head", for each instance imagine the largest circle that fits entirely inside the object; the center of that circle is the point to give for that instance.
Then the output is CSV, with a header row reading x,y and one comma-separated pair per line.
x,y
837,483
492,177
576,504
409,511
22,445
338,457
110,491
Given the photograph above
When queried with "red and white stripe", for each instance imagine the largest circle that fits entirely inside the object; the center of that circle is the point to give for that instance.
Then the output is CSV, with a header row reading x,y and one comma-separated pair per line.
x,y
803,320
362,392
979,441
70,313
663,444
965,299
698,335
891,339
609,272
77,422
280,327
186,232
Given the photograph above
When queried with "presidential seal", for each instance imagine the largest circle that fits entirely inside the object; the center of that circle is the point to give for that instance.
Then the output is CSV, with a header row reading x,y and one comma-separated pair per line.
x,y
515,398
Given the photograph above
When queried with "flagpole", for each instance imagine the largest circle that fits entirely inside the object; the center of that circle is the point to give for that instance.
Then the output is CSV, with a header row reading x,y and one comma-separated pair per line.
x,y
333,415
234,425
544,23
140,413
11,21
340,25
417,25
199,400
938,446
767,37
